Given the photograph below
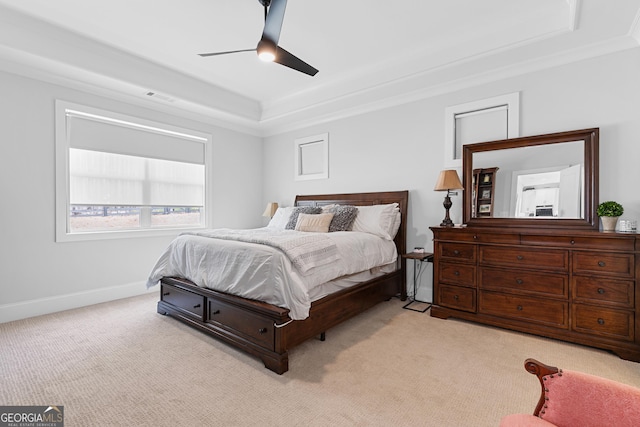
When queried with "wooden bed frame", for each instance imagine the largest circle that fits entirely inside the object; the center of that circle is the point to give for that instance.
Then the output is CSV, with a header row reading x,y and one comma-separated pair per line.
x,y
266,331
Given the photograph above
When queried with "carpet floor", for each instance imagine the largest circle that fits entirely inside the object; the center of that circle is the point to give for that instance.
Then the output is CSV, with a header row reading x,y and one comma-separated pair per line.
x,y
122,364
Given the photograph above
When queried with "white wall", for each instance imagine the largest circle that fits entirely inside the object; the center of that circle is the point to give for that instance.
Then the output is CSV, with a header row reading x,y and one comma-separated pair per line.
x,y
40,275
394,149
403,147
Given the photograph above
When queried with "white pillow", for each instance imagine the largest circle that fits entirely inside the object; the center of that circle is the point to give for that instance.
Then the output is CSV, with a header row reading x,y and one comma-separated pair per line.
x,y
280,218
396,225
317,223
380,220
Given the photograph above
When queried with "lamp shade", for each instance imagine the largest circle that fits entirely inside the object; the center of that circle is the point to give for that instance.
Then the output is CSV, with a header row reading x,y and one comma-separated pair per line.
x,y
270,210
448,180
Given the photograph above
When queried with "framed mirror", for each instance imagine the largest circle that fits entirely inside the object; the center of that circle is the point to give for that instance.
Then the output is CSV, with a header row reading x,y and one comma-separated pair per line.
x,y
542,181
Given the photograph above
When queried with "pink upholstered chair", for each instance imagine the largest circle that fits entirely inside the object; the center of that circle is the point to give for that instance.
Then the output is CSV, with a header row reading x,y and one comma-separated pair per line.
x,y
575,399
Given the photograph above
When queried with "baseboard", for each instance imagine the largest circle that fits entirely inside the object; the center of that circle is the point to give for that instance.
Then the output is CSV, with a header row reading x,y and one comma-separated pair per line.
x,y
40,306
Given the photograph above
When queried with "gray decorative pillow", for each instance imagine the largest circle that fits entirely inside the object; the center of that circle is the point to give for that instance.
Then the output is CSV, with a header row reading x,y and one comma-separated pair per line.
x,y
293,219
343,217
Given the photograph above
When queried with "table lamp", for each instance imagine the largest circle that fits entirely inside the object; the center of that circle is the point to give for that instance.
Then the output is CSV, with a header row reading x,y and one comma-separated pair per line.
x,y
447,181
270,210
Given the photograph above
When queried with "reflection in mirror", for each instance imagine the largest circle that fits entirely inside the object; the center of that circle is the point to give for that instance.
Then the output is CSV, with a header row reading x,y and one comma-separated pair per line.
x,y
541,181
537,182
556,194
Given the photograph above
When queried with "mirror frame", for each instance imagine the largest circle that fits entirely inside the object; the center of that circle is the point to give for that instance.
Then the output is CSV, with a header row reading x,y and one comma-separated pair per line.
x,y
590,137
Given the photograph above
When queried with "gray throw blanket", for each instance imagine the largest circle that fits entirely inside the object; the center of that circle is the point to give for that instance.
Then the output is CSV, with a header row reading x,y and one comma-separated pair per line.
x,y
305,250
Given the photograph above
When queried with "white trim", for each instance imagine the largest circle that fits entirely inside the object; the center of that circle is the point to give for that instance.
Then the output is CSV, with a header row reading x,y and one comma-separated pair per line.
x,y
40,306
481,111
264,123
634,31
64,109
574,9
510,102
322,139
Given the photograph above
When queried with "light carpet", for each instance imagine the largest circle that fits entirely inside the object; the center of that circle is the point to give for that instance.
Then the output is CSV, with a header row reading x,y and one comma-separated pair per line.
x,y
122,364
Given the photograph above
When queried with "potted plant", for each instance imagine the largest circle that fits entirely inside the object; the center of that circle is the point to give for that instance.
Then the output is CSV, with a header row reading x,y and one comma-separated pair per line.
x,y
609,213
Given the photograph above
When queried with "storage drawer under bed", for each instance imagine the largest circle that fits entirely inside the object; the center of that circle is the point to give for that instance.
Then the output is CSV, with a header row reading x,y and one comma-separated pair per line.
x,y
184,300
258,328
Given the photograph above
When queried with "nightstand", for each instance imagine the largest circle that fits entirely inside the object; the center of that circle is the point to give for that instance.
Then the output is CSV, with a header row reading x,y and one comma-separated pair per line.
x,y
418,258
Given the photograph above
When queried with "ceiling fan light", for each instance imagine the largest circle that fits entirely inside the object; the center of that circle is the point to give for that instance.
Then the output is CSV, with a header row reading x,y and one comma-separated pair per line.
x,y
266,50
266,56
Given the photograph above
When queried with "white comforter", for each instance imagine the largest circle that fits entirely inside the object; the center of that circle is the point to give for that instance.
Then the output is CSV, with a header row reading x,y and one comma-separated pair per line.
x,y
265,273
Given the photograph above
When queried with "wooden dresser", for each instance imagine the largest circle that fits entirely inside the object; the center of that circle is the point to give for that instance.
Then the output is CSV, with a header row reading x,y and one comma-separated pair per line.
x,y
577,286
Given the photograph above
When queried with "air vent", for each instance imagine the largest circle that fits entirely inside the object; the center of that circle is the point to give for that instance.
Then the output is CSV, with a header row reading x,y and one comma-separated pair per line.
x,y
160,96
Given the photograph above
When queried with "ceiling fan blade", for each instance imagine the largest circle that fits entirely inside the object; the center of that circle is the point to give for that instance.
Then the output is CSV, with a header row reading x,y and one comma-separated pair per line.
x,y
273,21
227,52
289,60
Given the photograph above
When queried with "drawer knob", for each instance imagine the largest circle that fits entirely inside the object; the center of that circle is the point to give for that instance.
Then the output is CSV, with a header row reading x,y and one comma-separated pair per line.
x,y
600,321
475,237
216,312
456,273
456,297
456,252
573,242
520,257
196,306
519,308
602,263
262,330
166,293
600,291
519,281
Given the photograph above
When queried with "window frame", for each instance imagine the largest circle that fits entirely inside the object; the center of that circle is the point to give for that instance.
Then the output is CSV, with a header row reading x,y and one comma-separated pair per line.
x,y
322,140
511,102
62,146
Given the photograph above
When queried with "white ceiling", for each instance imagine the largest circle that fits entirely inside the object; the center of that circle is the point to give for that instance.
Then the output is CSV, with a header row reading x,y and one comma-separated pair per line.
x,y
366,50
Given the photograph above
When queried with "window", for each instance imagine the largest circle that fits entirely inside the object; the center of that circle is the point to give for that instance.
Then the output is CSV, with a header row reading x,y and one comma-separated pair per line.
x,y
479,121
120,176
312,157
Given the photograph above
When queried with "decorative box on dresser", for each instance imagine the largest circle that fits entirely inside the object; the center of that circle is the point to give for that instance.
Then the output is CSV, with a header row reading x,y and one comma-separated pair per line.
x,y
577,286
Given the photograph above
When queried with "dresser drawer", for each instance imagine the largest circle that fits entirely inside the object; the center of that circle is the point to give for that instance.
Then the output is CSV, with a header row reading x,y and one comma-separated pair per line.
x,y
457,251
457,274
605,322
603,291
243,323
459,298
185,300
528,309
467,235
621,265
604,242
515,257
545,284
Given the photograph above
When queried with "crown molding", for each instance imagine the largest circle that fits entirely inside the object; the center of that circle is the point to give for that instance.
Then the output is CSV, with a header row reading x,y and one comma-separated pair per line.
x,y
56,73
422,86
390,94
114,74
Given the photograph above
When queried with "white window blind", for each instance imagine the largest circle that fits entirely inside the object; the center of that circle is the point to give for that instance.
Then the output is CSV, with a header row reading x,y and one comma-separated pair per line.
x,y
102,179
119,163
117,136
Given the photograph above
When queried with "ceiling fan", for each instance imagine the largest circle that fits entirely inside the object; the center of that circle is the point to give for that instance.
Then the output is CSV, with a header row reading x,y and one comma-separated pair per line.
x,y
268,49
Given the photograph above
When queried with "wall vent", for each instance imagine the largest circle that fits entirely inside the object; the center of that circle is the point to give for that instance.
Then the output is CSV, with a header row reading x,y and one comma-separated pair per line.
x,y
160,96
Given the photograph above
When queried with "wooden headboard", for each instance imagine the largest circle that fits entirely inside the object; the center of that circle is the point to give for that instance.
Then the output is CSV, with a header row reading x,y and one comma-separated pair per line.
x,y
366,199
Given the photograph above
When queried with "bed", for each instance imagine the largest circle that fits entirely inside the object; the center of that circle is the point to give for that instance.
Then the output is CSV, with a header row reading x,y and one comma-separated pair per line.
x,y
268,331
